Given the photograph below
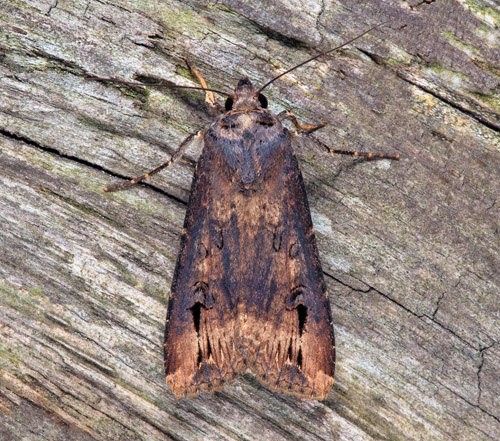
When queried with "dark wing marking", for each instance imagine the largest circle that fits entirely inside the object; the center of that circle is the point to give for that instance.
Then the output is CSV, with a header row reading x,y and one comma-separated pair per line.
x,y
287,324
199,343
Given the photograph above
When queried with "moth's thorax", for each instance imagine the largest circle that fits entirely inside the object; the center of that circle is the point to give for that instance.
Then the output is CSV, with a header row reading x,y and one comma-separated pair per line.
x,y
247,144
235,123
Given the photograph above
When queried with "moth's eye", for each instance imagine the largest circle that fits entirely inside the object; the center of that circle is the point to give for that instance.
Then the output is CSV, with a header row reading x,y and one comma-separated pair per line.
x,y
229,104
263,101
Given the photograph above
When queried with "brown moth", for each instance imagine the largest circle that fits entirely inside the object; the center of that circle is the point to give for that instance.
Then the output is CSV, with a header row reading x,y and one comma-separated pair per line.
x,y
248,291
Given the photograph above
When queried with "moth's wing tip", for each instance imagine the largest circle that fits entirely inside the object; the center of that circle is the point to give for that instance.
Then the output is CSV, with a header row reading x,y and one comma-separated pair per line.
x,y
193,389
282,385
273,383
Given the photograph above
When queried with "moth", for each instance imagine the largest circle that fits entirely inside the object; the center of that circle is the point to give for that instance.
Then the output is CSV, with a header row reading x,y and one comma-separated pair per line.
x,y
248,291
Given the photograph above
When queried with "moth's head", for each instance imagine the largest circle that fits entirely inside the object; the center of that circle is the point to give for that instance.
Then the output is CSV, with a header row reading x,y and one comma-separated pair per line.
x,y
245,97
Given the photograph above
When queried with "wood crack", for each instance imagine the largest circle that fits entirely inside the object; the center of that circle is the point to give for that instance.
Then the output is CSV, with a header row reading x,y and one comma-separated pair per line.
x,y
477,406
52,7
482,353
419,316
86,163
422,2
401,74
469,112
318,22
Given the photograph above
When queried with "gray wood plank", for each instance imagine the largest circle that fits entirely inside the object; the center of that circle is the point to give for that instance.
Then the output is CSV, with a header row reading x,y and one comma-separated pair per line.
x,y
410,249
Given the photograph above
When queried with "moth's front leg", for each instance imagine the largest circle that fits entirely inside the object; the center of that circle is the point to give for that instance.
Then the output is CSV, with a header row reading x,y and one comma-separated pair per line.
x,y
356,154
209,95
286,114
176,155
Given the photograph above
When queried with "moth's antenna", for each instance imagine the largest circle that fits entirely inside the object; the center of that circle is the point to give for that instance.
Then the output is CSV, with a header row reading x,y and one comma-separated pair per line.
x,y
170,86
323,53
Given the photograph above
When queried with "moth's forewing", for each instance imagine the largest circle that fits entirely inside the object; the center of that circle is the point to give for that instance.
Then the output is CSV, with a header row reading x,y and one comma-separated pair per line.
x,y
292,345
200,345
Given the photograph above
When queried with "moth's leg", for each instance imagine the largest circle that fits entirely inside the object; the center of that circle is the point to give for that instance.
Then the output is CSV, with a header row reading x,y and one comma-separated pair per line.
x,y
177,154
368,155
209,96
286,114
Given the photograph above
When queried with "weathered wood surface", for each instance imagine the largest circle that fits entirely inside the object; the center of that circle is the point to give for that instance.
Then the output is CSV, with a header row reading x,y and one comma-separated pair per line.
x,y
410,248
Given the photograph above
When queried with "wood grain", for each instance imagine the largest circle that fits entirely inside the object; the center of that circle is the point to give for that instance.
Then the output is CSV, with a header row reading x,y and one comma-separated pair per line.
x,y
410,249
